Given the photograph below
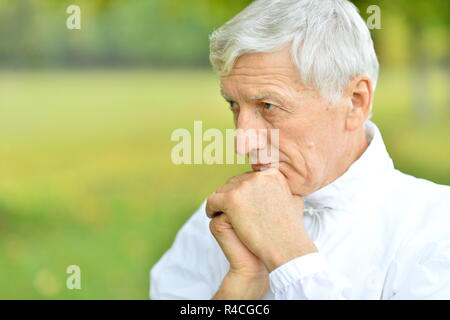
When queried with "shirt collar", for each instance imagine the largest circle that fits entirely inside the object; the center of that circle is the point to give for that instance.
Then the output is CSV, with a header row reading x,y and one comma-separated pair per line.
x,y
342,192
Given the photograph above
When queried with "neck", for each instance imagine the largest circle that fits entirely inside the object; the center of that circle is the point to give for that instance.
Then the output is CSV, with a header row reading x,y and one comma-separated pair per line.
x,y
356,146
368,162
360,145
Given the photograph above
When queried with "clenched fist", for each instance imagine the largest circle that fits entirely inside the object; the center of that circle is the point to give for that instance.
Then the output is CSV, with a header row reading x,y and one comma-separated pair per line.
x,y
258,222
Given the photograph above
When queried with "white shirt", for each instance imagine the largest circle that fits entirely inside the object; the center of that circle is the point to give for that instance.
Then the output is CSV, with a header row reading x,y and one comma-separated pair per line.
x,y
380,233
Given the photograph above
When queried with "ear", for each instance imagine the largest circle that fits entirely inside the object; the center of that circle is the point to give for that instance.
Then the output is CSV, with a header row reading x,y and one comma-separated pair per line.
x,y
360,92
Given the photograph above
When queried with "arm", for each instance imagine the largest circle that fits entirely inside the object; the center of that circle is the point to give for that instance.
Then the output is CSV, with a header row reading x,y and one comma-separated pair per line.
x,y
238,287
308,277
247,278
193,267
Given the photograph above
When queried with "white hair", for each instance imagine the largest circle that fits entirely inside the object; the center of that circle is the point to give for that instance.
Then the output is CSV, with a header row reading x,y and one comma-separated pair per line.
x,y
330,42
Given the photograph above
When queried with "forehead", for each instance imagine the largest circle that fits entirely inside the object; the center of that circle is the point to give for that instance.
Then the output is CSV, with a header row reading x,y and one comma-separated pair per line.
x,y
254,70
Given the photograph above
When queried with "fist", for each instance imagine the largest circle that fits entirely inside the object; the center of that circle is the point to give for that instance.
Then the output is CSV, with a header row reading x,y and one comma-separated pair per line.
x,y
264,215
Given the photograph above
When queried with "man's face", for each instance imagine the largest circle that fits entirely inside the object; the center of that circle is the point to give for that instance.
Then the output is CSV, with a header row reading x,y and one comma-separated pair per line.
x,y
264,92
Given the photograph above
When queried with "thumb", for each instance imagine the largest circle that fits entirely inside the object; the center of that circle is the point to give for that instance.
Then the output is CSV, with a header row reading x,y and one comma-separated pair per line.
x,y
231,245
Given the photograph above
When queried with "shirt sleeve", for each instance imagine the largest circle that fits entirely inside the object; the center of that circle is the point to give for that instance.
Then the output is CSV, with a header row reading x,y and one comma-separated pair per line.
x,y
308,277
192,268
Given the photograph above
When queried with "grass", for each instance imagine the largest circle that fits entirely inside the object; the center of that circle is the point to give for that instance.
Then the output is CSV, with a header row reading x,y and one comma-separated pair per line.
x,y
86,176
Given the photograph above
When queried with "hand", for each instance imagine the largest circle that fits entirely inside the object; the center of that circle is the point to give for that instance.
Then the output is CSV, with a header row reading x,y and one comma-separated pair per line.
x,y
248,276
264,215
242,261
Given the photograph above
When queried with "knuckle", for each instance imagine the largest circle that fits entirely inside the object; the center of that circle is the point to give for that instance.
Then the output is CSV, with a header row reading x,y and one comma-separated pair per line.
x,y
244,184
231,179
209,205
209,200
259,177
232,196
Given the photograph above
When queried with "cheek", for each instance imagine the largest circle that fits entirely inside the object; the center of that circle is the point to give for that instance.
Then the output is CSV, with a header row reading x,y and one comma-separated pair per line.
x,y
299,161
310,147
295,179
298,151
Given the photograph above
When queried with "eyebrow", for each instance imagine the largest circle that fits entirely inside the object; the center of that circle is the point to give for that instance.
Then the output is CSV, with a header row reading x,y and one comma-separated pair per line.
x,y
260,96
225,96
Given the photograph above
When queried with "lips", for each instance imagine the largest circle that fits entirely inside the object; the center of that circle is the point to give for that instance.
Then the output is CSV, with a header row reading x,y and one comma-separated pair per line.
x,y
264,166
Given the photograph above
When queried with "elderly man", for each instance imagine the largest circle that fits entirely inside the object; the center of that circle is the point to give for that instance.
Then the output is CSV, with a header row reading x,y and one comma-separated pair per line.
x,y
332,218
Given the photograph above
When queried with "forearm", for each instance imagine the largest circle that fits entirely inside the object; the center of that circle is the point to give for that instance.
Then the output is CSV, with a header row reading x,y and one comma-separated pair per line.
x,y
237,287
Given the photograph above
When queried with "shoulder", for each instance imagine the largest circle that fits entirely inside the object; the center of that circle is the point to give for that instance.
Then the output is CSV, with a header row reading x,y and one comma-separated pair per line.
x,y
420,268
415,194
417,209
420,195
423,208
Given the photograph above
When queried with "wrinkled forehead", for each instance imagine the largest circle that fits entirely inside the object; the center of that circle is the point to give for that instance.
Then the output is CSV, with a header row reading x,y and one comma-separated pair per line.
x,y
264,63
261,69
256,74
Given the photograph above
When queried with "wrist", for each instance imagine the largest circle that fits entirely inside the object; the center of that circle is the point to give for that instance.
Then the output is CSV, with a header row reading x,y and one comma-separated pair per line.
x,y
280,256
238,286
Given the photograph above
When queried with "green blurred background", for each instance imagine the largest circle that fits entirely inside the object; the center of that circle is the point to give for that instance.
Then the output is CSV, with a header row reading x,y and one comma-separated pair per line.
x,y
86,117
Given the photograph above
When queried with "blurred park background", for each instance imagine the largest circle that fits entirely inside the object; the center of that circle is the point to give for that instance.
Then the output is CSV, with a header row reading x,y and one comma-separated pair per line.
x,y
86,117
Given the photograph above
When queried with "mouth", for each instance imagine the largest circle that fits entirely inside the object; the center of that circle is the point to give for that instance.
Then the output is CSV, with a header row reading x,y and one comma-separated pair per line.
x,y
264,166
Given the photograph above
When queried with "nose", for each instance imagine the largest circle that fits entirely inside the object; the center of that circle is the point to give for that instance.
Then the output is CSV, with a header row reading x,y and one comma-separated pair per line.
x,y
251,134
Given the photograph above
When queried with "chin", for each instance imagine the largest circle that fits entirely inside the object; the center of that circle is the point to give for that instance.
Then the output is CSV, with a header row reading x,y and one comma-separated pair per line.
x,y
296,182
296,190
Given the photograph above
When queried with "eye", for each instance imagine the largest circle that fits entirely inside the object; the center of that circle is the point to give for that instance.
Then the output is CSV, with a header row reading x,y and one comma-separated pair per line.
x,y
268,106
233,104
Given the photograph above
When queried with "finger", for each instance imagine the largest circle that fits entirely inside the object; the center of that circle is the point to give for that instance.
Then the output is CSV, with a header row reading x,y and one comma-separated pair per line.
x,y
240,177
226,187
278,174
215,205
269,172
233,181
231,245
222,229
220,219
